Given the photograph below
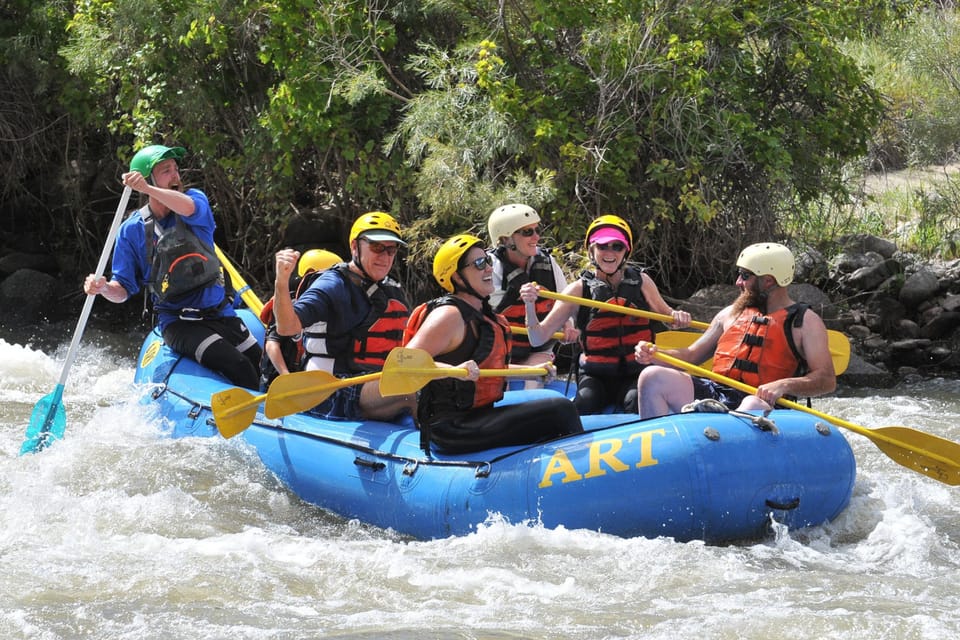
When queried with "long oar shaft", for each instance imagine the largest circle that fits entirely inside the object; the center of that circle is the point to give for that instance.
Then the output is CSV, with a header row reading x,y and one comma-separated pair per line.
x,y
523,331
606,306
839,344
928,454
39,431
101,268
239,284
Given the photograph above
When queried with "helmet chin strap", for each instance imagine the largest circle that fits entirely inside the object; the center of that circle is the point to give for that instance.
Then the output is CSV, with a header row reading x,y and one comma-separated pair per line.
x,y
466,288
356,261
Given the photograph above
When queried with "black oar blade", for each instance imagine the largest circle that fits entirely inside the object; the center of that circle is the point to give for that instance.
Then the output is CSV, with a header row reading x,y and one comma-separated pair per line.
x,y
924,453
234,410
47,422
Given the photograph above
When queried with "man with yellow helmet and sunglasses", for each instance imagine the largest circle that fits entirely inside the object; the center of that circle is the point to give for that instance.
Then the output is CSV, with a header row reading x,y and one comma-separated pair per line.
x,y
350,317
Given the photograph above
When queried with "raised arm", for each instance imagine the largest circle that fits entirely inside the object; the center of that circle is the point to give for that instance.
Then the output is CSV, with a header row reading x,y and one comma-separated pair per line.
x,y
539,331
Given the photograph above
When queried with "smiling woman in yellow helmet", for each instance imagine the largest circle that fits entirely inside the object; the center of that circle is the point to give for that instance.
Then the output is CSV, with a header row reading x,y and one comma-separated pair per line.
x,y
607,368
461,329
763,339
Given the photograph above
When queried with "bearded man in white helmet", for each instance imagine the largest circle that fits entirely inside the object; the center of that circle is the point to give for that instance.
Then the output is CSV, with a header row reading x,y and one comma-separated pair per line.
x,y
764,339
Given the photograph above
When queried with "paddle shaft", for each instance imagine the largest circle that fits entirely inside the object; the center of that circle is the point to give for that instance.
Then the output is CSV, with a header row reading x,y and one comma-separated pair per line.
x,y
101,267
905,450
239,284
606,306
839,345
524,332
458,372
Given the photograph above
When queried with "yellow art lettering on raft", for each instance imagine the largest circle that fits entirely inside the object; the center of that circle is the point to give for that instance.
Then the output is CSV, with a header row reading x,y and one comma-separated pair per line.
x,y
559,463
603,455
598,456
646,446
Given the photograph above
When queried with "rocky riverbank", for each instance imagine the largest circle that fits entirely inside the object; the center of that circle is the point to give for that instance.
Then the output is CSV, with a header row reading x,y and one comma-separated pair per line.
x,y
901,314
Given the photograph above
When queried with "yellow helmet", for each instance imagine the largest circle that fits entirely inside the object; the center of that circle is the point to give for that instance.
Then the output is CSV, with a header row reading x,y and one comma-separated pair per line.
x,y
506,220
769,259
448,258
317,260
376,226
615,223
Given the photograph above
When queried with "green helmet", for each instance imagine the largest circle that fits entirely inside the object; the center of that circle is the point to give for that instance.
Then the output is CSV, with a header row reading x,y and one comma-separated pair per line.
x,y
147,158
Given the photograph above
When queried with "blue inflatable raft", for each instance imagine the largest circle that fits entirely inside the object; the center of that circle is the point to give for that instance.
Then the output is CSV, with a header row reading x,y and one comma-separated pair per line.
x,y
717,477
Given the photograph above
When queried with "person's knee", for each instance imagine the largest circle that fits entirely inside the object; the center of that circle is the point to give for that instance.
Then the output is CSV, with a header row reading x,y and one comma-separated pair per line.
x,y
237,367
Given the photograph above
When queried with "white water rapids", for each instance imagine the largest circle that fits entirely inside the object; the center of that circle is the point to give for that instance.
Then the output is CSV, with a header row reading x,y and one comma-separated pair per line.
x,y
118,532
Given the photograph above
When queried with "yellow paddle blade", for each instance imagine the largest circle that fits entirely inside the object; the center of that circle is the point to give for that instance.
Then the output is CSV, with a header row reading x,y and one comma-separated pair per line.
x,y
234,410
931,455
836,341
928,454
839,350
409,370
679,340
303,390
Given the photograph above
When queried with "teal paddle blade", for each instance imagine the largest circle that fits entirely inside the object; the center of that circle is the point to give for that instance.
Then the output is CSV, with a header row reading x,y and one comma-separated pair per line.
x,y
47,422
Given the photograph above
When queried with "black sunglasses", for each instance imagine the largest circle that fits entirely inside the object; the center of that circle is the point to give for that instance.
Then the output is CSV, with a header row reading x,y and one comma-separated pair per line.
x,y
379,247
612,246
528,232
744,275
482,263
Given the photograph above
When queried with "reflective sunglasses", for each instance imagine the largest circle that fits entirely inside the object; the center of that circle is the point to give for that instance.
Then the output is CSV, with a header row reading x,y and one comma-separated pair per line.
x,y
612,246
379,247
482,263
743,274
528,232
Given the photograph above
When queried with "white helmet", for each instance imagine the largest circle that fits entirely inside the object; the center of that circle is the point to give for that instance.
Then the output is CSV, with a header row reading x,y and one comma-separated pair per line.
x,y
505,220
769,259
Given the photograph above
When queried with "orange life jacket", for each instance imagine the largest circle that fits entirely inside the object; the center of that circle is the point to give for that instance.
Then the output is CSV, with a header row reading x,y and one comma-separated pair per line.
x,y
512,307
608,338
758,348
487,343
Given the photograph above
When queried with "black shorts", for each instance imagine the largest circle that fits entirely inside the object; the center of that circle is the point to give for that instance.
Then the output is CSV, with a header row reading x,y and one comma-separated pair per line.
x,y
704,388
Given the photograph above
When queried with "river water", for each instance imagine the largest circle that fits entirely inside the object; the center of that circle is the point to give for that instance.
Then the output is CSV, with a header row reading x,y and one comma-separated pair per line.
x,y
119,532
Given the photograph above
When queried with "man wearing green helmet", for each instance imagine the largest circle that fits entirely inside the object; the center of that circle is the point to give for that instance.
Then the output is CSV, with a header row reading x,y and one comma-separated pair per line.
x,y
764,339
166,248
349,317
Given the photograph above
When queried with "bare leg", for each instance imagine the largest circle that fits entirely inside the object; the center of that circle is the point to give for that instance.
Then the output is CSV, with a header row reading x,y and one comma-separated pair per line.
x,y
753,403
373,406
663,391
